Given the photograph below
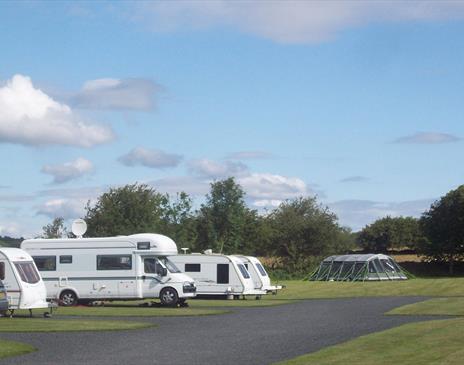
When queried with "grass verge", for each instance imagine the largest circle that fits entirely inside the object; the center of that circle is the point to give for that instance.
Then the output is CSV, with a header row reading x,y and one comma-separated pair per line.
x,y
135,311
55,325
11,348
436,306
432,342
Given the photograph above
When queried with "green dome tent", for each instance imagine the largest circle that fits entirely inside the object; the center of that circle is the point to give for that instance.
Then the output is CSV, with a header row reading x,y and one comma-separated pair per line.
x,y
368,267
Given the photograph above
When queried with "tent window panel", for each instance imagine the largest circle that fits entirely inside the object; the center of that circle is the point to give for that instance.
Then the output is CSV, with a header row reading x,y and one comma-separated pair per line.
x,y
379,267
372,269
359,270
388,267
346,269
2,271
334,271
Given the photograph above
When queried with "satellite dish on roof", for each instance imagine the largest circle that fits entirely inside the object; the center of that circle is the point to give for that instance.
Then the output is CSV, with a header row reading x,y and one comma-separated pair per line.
x,y
79,227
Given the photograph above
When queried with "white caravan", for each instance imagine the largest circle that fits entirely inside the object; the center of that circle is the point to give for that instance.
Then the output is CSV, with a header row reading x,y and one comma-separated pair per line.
x,y
259,275
110,268
217,274
24,286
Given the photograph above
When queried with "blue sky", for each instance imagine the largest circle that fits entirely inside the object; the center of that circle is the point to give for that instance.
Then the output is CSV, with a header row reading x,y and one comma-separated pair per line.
x,y
357,102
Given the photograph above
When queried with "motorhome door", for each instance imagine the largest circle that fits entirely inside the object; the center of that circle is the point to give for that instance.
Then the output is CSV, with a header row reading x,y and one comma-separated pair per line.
x,y
151,278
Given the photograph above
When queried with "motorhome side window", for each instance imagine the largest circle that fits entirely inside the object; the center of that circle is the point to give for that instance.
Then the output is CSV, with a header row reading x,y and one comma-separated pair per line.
x,y
192,268
114,262
45,263
66,259
2,271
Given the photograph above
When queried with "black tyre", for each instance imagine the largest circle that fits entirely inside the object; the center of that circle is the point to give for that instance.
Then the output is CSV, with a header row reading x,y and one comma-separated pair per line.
x,y
169,297
68,298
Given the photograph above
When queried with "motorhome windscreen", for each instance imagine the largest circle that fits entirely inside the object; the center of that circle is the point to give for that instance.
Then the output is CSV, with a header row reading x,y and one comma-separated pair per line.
x,y
244,271
172,268
261,270
27,272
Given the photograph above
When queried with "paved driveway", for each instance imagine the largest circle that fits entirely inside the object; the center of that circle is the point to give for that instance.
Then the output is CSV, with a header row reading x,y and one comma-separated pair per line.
x,y
245,336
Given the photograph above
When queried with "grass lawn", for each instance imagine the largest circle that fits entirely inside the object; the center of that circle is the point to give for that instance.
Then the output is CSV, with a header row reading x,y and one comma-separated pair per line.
x,y
436,306
55,325
433,342
446,287
134,311
11,348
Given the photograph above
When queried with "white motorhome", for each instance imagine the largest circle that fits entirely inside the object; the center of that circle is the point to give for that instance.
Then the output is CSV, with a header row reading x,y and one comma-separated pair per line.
x,y
217,274
24,286
259,275
110,268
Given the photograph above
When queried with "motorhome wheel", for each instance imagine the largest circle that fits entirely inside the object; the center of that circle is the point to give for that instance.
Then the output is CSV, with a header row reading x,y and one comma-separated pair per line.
x,y
68,298
169,297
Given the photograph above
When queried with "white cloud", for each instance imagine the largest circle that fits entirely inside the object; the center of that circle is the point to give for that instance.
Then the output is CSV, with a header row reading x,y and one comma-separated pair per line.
x,y
68,170
290,21
150,158
65,208
217,170
428,138
28,116
269,190
118,94
357,213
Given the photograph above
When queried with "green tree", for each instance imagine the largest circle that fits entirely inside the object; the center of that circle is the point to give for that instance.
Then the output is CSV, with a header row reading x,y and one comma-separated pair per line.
x,y
221,221
302,228
443,227
178,221
130,209
56,229
390,232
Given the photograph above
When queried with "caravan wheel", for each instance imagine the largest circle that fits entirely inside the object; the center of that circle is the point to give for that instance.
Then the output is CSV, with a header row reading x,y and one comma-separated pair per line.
x,y
68,298
169,297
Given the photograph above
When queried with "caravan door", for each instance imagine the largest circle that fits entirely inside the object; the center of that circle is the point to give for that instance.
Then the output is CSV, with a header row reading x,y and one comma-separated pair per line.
x,y
152,282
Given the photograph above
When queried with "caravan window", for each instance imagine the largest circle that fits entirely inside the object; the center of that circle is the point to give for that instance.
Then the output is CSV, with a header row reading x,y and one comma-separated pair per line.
x,y
114,262
66,259
192,268
261,270
45,263
244,271
2,271
27,272
222,274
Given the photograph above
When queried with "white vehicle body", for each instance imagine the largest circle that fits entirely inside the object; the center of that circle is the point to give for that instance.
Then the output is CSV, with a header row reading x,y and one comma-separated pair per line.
x,y
217,274
25,288
259,275
122,267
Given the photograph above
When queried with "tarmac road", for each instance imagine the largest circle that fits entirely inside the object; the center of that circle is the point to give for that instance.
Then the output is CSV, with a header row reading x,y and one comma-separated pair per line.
x,y
245,336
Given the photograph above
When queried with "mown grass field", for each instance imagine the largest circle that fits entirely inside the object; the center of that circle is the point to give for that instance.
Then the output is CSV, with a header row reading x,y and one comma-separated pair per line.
x,y
66,325
446,287
11,348
431,342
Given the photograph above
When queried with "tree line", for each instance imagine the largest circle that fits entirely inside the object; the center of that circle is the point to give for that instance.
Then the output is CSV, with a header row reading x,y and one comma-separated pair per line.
x,y
294,236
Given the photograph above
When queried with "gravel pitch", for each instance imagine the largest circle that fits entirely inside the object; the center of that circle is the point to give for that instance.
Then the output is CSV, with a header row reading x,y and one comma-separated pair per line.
x,y
249,336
